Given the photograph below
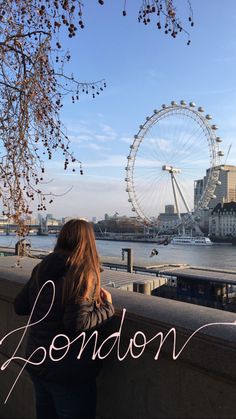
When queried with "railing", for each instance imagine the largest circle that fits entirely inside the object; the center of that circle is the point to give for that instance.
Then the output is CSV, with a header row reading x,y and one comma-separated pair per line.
x,y
200,383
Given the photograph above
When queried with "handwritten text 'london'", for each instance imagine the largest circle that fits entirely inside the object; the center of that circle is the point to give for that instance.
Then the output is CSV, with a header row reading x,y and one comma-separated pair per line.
x,y
136,346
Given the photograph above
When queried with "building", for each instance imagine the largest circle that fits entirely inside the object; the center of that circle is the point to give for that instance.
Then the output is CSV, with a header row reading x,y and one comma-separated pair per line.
x,y
225,192
167,220
31,220
66,219
170,209
49,217
53,222
222,221
198,189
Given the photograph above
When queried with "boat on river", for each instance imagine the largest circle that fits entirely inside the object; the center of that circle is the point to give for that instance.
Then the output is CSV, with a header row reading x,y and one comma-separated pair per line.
x,y
190,240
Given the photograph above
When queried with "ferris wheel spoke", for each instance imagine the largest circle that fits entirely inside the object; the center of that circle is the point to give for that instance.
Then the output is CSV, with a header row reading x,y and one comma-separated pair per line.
x,y
152,145
147,185
157,146
193,139
149,194
188,151
197,155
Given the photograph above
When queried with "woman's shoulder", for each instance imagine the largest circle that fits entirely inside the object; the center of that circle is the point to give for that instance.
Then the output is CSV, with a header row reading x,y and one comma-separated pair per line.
x,y
53,265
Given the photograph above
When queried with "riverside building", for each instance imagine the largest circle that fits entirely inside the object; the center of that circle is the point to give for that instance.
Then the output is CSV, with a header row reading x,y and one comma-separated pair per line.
x,y
225,192
222,222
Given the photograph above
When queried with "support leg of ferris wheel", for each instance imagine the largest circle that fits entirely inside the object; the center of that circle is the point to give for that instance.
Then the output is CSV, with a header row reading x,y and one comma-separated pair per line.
x,y
182,195
173,170
173,181
174,185
175,195
186,206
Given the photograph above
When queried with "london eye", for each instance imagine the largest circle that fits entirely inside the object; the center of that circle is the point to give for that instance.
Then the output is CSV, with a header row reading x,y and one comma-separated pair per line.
x,y
172,149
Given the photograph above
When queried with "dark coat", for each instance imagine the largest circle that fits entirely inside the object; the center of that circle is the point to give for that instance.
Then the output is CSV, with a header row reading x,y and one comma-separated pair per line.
x,y
69,320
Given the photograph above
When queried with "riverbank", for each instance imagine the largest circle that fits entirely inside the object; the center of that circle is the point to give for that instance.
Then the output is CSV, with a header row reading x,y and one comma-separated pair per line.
x,y
217,256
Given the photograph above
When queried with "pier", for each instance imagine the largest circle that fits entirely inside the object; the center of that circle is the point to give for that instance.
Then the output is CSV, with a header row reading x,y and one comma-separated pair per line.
x,y
204,286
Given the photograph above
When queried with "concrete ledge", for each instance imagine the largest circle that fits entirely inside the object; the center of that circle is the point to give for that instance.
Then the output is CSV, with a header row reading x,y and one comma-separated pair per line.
x,y
199,384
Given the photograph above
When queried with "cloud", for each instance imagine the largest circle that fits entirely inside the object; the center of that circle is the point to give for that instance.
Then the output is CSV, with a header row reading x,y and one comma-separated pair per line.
x,y
108,130
154,73
102,137
97,147
80,138
127,140
116,160
84,135
161,143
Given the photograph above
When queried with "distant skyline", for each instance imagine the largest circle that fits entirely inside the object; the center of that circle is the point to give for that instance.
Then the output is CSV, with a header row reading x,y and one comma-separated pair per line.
x,y
143,68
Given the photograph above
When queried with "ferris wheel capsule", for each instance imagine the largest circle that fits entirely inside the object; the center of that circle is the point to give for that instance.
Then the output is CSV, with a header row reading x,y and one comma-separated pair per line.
x,y
192,104
183,103
220,153
173,103
155,111
208,117
218,140
214,127
201,109
163,106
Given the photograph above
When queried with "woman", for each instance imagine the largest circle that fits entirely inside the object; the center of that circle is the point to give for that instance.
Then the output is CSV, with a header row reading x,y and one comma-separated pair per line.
x,y
66,388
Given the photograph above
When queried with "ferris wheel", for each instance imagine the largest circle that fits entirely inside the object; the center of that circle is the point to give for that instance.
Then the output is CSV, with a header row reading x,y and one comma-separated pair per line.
x,y
175,152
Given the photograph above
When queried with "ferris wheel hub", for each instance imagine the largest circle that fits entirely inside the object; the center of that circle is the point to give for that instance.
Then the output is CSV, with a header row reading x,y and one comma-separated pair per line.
x,y
170,169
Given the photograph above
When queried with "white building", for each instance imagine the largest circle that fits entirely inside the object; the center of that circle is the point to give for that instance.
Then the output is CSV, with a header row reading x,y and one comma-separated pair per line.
x,y
222,221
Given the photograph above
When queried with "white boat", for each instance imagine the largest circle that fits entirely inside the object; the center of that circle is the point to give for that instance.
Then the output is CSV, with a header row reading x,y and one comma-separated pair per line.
x,y
189,240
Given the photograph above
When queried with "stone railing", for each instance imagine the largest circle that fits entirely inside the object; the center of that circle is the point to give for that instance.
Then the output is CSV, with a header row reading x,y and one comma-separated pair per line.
x,y
199,384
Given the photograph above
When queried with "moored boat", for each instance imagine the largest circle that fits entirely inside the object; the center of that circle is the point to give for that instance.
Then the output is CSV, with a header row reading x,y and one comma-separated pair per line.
x,y
190,240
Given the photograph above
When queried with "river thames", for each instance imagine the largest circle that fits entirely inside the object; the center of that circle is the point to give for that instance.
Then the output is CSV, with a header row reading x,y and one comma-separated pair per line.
x,y
216,256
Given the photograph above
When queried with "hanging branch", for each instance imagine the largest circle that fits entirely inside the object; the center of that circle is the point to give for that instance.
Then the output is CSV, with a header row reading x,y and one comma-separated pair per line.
x,y
166,16
32,84
164,12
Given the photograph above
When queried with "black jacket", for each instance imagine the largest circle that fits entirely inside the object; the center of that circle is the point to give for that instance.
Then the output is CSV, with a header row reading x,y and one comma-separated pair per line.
x,y
69,320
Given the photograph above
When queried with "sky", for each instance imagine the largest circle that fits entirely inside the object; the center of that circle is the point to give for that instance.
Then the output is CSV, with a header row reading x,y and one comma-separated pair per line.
x,y
143,68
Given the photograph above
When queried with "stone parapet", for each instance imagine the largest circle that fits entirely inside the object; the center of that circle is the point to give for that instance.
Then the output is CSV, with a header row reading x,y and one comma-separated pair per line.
x,y
199,384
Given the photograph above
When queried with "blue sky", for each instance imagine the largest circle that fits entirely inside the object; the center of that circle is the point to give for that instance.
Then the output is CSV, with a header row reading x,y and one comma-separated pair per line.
x,y
143,68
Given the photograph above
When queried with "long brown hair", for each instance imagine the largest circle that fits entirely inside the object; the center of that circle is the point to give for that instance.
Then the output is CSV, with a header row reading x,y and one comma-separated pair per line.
x,y
82,281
